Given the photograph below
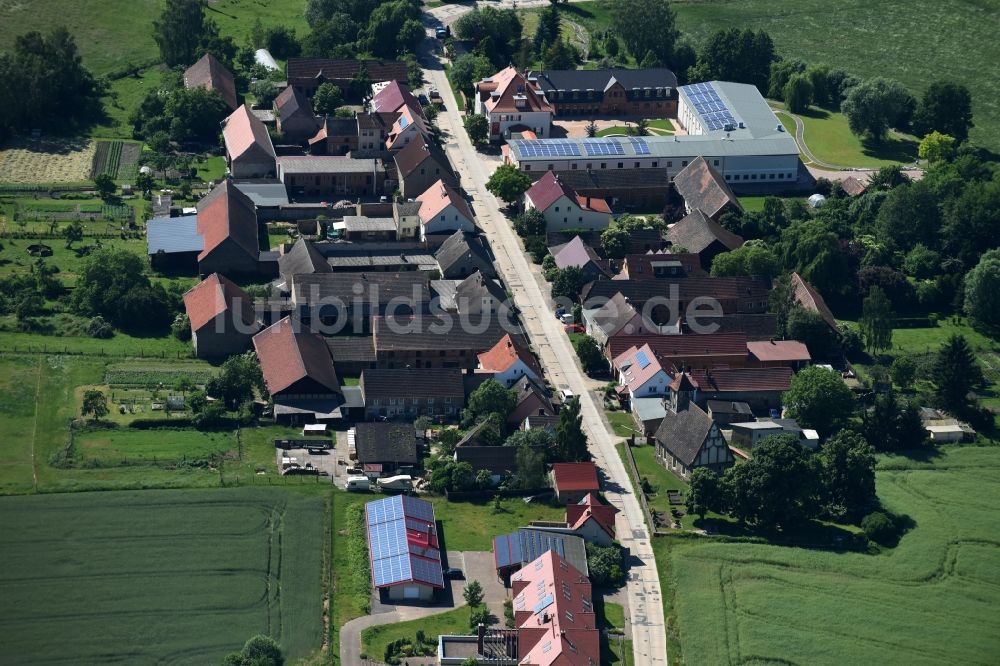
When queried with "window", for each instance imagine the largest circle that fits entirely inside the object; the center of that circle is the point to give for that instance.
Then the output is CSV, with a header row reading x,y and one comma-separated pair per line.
x,y
557,209
770,176
573,166
654,164
527,167
442,218
551,167
716,163
621,165
636,165
753,177
589,166
670,164
781,176
604,165
684,163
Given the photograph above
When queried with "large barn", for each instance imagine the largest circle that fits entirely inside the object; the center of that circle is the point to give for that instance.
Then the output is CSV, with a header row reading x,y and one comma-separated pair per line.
x,y
403,548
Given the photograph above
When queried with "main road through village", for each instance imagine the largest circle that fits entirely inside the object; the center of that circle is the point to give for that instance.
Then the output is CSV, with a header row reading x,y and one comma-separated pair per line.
x,y
556,354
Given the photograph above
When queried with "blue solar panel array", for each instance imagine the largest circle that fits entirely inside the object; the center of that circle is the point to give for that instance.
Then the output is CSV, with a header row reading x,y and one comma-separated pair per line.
x,y
715,115
394,559
639,145
642,359
596,147
548,148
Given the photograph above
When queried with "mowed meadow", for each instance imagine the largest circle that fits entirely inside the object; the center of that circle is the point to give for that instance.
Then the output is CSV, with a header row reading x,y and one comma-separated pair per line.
x,y
931,600
155,577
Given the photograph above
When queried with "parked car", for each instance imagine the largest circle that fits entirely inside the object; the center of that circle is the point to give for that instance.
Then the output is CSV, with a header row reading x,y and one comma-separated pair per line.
x,y
566,394
575,328
453,574
435,95
441,32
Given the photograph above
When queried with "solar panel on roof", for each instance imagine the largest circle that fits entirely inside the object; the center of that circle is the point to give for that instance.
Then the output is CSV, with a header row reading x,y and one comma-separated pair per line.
x,y
639,145
543,604
642,359
548,148
603,147
416,508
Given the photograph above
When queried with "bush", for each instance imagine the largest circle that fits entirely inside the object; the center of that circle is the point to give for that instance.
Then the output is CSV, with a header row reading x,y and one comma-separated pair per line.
x,y
879,528
98,328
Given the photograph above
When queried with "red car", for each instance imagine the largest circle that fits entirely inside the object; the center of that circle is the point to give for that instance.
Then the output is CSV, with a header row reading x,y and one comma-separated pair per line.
x,y
575,328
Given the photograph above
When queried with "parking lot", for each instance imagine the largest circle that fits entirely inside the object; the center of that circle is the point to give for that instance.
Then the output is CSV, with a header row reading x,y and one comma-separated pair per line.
x,y
332,461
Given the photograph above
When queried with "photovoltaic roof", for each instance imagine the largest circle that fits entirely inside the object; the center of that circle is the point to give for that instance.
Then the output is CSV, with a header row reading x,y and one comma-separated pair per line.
x,y
642,359
713,111
598,146
639,145
402,542
550,148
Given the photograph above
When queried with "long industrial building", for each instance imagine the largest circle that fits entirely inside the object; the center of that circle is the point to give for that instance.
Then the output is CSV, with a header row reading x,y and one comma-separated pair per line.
x,y
729,124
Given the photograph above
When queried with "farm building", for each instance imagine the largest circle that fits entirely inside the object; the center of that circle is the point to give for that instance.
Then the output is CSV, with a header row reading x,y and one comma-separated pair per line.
x,y
383,448
573,481
336,176
310,73
211,74
249,151
222,317
509,360
687,437
294,114
512,551
650,92
443,210
403,548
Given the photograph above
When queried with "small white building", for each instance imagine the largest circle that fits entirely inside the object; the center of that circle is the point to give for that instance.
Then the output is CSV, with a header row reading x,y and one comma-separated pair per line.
x,y
444,211
563,208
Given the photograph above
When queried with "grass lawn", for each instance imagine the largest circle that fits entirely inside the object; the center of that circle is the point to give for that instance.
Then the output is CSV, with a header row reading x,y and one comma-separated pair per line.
x,y
454,622
351,596
624,131
830,139
660,479
472,525
119,346
124,445
796,605
755,204
160,576
213,169
14,255
622,423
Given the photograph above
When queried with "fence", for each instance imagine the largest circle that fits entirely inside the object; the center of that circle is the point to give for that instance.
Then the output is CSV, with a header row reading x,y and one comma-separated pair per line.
x,y
637,484
102,352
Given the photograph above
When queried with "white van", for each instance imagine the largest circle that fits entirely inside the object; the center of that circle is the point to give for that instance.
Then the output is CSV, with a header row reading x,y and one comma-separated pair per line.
x,y
358,483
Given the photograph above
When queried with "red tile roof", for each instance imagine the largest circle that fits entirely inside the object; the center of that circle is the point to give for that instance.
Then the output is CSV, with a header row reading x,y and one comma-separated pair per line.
x,y
547,190
438,197
506,353
589,507
634,373
226,213
213,296
722,346
853,187
593,204
807,296
575,476
289,353
510,84
554,614
703,187
779,350
641,266
243,131
728,380
211,74
393,97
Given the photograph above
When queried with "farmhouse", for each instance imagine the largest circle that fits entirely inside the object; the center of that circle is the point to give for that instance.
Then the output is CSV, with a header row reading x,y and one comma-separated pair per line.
x,y
475,295
807,296
660,264
761,388
701,235
512,105
421,164
299,373
406,393
211,74
227,221
331,176
532,401
687,437
650,93
577,254
435,342
563,208
249,151
735,295
392,98
403,548
704,189
444,210
310,73
337,136
617,315
222,317
640,374
294,114
509,360
408,126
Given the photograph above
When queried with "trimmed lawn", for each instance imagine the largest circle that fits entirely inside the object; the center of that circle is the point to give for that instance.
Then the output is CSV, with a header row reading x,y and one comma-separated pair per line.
x,y
472,525
619,130
374,640
831,140
622,423
811,606
214,169
121,345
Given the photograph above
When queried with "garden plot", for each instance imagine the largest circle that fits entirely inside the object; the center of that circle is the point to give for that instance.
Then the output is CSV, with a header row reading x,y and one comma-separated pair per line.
x,y
47,161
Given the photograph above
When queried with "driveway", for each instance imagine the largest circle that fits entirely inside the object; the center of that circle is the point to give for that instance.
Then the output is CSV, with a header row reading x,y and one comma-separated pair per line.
x,y
531,296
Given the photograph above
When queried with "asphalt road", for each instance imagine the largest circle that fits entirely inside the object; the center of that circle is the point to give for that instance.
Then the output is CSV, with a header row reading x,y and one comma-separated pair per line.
x,y
532,298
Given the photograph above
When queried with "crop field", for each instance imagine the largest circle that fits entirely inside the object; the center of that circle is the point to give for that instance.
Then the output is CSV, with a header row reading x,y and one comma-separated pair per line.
x,y
46,161
930,600
159,577
116,159
137,374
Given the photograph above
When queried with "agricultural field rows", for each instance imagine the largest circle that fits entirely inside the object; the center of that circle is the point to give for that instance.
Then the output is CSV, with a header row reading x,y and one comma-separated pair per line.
x,y
159,576
930,600
131,374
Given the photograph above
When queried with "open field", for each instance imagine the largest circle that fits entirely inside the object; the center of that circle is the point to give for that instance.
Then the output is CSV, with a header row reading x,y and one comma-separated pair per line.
x,y
159,576
125,446
931,600
830,139
46,161
351,596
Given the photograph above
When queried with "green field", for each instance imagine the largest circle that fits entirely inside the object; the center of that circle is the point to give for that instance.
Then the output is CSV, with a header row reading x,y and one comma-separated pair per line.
x,y
931,600
830,139
125,446
159,576
472,525
454,622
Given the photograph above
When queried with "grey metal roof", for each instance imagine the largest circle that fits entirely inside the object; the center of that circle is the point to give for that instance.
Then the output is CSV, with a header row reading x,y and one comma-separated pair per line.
x,y
421,261
648,409
362,223
174,234
264,194
746,104
324,164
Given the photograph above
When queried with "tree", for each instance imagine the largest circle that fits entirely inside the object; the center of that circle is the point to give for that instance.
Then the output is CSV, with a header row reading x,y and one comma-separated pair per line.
x,y
393,27
704,492
822,92
112,283
530,223
606,565
264,93
105,186
560,55
490,398
798,93
776,488
567,282
327,99
809,328
591,129
955,373
238,377
547,31
903,371
469,68
878,527
937,147
73,233
819,399
982,291
847,469
644,26
893,425
876,321
259,650
947,108
95,404
737,55
478,128
496,32
875,105
179,31
779,74
530,462
754,258
590,353
479,615
571,442
144,182
508,183
813,250
473,593
43,83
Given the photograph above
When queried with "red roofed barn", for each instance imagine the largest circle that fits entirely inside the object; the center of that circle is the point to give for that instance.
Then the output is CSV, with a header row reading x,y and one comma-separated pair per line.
x,y
222,317
211,74
227,220
592,519
249,151
403,548
573,481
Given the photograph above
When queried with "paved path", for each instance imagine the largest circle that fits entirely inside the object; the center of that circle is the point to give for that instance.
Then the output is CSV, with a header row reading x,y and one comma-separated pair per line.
x,y
559,359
